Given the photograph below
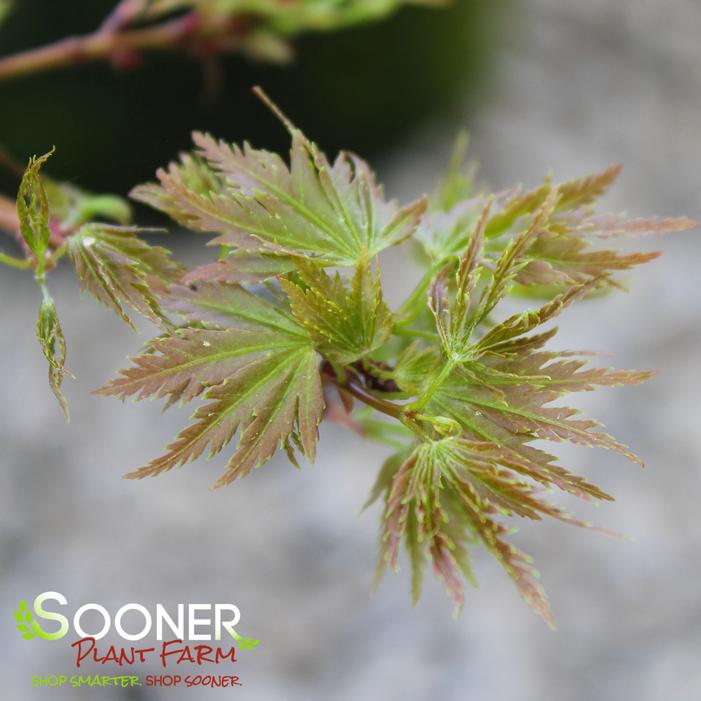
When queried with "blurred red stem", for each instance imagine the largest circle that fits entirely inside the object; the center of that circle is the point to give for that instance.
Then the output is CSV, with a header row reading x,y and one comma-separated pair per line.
x,y
352,384
109,40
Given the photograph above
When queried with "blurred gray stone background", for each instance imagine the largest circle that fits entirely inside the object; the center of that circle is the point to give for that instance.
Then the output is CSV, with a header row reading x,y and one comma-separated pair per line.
x,y
579,85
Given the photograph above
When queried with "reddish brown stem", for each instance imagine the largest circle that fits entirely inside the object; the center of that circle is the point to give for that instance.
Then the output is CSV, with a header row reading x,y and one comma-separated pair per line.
x,y
106,42
352,384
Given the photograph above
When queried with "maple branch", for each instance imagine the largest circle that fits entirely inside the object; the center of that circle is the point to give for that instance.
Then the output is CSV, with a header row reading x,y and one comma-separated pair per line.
x,y
110,40
349,382
464,410
352,384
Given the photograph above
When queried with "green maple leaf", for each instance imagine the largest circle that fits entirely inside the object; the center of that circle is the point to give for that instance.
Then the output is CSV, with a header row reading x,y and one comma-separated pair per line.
x,y
53,346
561,258
442,497
120,270
33,210
463,391
561,252
259,376
33,214
575,193
335,213
518,405
487,391
345,324
504,381
113,264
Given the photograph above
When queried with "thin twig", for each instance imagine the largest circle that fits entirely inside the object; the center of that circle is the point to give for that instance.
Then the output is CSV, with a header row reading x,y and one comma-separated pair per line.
x,y
108,41
352,384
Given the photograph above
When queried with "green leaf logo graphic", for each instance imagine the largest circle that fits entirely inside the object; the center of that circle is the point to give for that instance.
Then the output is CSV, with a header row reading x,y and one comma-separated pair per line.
x,y
23,618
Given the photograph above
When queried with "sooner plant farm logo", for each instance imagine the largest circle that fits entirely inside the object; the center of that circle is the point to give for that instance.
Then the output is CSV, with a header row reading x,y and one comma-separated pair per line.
x,y
190,635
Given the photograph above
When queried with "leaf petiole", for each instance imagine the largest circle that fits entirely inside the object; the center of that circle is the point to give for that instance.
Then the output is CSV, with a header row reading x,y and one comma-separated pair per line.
x,y
17,263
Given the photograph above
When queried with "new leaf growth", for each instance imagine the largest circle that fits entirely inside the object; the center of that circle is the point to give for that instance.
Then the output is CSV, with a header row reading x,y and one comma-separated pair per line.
x,y
289,326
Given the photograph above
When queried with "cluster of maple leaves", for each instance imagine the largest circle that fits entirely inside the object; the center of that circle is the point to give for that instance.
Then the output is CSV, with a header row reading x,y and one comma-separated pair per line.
x,y
289,326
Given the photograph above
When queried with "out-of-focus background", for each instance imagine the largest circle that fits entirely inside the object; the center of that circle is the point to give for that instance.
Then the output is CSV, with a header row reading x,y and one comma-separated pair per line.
x,y
542,85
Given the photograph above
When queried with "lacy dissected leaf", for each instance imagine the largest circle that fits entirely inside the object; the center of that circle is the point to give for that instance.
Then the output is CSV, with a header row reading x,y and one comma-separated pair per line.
x,y
503,395
574,193
513,258
455,313
53,346
47,211
562,258
444,231
184,193
504,380
32,207
483,400
499,336
454,320
446,496
587,189
344,323
466,393
33,210
477,400
259,376
512,206
182,366
273,401
612,225
120,270
335,213
562,252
